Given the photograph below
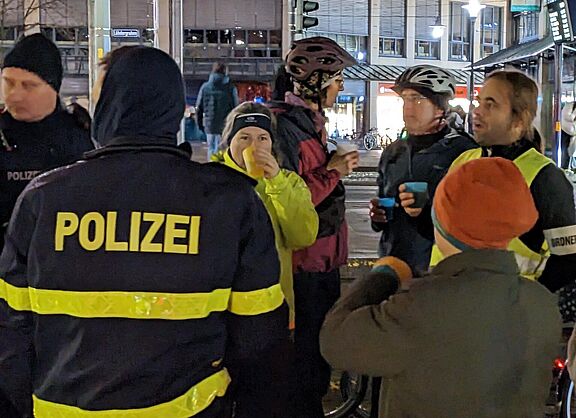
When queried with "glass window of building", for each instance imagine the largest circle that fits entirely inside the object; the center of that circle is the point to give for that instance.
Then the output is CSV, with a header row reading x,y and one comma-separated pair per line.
x,y
193,36
525,27
490,30
426,13
392,27
212,36
226,37
355,44
459,49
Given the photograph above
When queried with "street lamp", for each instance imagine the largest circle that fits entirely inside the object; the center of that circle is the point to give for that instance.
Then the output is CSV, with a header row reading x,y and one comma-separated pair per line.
x,y
437,28
474,8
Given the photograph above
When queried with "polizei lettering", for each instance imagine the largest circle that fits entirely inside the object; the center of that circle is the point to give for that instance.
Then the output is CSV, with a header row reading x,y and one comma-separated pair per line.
x,y
564,241
146,233
21,175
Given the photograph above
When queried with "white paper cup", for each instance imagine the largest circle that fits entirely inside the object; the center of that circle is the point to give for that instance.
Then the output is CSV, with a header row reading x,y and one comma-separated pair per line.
x,y
343,149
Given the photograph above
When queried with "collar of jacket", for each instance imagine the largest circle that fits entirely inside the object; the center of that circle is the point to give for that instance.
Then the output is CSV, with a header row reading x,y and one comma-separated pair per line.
x,y
318,117
135,143
224,157
423,142
497,261
510,152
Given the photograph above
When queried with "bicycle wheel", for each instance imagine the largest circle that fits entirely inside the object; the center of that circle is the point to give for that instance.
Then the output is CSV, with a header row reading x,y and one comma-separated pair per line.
x,y
369,142
566,395
353,390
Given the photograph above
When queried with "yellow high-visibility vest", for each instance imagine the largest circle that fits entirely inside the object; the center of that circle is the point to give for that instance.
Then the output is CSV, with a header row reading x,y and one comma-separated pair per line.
x,y
530,263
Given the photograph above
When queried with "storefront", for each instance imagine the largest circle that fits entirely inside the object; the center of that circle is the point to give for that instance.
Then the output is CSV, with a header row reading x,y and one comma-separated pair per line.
x,y
347,115
390,120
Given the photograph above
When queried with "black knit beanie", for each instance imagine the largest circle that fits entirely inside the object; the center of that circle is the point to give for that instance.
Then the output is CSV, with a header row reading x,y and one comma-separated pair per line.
x,y
39,55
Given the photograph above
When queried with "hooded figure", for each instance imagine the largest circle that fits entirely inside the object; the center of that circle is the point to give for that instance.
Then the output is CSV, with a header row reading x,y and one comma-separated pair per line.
x,y
140,282
152,112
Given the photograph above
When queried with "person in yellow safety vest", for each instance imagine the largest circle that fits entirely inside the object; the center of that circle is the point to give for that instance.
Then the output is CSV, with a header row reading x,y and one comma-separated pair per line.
x,y
503,127
131,280
266,388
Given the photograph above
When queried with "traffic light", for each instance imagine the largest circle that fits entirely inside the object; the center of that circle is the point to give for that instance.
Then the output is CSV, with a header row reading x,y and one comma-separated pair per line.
x,y
303,21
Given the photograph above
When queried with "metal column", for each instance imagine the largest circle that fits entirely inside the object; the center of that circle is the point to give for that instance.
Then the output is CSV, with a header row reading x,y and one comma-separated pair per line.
x,y
168,29
558,70
471,80
99,38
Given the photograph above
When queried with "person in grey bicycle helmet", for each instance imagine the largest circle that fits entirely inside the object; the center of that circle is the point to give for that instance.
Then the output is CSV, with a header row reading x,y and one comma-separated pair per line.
x,y
315,67
425,156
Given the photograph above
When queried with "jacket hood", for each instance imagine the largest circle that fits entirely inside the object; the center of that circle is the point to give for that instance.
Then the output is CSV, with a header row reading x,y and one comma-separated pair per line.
x,y
219,79
142,96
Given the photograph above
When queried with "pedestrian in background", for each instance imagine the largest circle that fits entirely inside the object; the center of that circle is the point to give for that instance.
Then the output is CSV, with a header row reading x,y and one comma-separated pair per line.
x,y
471,340
265,387
216,98
315,66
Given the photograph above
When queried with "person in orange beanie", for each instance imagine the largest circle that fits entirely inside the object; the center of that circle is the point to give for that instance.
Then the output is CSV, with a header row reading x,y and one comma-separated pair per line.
x,y
468,211
471,339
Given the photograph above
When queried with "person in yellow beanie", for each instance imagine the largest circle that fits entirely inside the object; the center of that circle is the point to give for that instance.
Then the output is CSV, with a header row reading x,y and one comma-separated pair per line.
x,y
473,339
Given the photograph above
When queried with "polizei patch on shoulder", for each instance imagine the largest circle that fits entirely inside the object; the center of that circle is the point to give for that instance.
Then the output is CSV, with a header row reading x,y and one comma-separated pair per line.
x,y
562,240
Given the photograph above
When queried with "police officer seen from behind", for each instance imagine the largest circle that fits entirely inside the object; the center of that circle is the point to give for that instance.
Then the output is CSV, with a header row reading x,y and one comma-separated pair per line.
x,y
36,132
424,157
508,103
137,275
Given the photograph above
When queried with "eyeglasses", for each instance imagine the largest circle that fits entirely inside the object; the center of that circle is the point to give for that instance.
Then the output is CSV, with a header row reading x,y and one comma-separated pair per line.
x,y
417,100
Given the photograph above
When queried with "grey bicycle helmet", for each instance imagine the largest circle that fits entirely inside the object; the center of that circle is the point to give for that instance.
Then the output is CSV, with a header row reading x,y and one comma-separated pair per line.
x,y
434,79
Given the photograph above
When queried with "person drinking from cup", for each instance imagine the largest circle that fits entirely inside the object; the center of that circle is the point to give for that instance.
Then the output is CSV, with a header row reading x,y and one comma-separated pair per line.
x,y
265,387
410,170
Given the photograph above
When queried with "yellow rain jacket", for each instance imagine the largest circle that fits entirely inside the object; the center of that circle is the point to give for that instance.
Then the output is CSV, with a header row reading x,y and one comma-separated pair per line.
x,y
294,218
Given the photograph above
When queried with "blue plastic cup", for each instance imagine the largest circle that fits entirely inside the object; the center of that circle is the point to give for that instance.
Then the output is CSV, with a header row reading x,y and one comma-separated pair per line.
x,y
387,203
420,191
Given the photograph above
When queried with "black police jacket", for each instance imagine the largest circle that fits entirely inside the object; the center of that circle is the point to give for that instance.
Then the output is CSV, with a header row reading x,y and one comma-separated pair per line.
x,y
418,158
134,277
27,149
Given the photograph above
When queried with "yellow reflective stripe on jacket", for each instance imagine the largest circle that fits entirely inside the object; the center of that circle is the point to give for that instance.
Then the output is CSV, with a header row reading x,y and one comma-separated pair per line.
x,y
256,302
140,305
18,298
471,154
530,263
197,399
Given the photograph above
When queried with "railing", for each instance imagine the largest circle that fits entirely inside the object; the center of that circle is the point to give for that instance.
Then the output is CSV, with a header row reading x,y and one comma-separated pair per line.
x,y
239,68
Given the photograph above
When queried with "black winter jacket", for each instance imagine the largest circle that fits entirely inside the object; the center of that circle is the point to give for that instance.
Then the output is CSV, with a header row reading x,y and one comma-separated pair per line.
x,y
418,158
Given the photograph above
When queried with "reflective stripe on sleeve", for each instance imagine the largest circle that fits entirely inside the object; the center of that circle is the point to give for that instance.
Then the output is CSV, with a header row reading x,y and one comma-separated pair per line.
x,y
194,401
256,302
